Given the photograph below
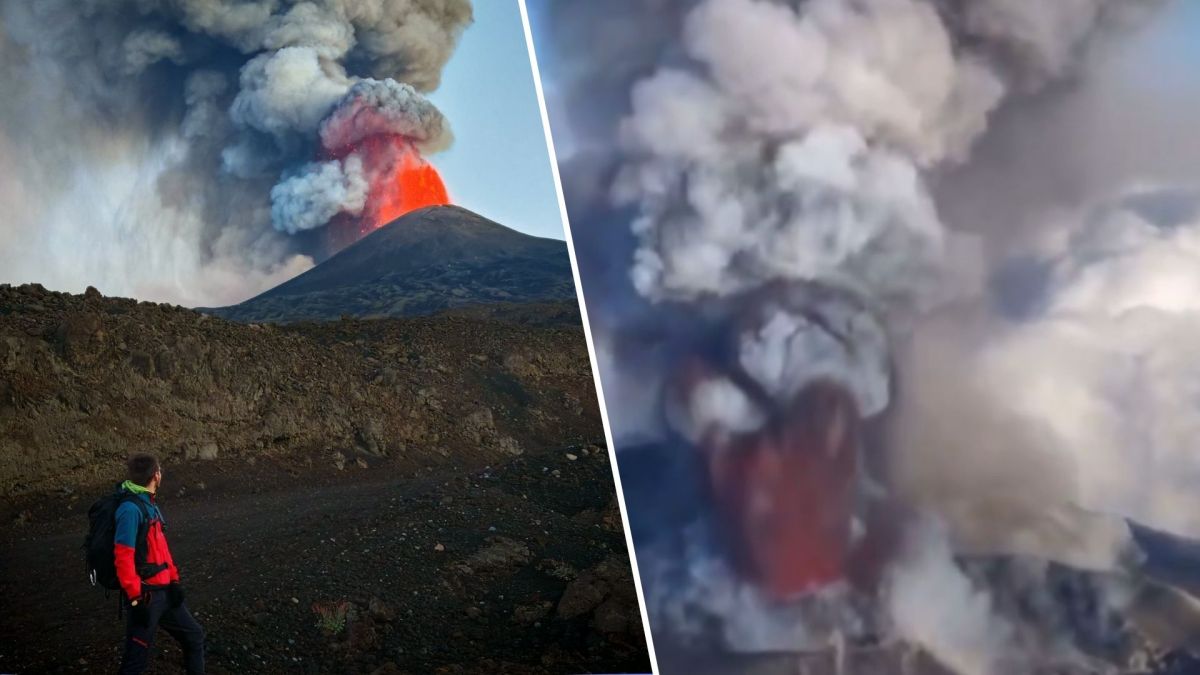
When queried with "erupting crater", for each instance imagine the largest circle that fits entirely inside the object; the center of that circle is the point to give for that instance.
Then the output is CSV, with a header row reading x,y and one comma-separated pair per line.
x,y
401,180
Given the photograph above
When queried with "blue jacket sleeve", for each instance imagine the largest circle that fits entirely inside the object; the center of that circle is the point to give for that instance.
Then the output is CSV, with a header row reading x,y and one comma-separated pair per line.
x,y
129,518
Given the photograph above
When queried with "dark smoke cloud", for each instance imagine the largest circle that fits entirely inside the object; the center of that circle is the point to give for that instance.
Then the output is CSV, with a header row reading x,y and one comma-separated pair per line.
x,y
175,119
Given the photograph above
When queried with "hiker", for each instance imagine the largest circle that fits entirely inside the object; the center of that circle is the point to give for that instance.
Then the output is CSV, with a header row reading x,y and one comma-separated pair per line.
x,y
151,587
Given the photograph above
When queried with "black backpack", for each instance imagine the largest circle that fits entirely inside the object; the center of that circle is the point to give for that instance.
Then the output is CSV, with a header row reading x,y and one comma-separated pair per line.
x,y
102,528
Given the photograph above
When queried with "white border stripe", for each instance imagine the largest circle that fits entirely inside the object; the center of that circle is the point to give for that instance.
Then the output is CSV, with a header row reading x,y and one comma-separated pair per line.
x,y
587,331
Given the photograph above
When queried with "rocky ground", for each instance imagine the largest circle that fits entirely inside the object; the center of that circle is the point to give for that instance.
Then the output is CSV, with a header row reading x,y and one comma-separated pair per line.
x,y
84,380
403,495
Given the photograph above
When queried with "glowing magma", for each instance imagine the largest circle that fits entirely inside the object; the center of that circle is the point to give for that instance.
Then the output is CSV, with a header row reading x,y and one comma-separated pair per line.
x,y
400,180
405,183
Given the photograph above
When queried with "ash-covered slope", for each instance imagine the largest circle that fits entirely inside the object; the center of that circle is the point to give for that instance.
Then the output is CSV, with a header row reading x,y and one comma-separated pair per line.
x,y
423,262
85,380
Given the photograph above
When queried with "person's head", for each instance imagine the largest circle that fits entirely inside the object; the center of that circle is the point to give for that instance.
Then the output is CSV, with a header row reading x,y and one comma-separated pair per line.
x,y
145,470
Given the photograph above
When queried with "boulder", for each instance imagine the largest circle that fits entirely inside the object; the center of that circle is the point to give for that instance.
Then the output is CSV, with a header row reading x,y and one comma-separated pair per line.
x,y
204,451
370,438
78,335
500,554
142,363
582,596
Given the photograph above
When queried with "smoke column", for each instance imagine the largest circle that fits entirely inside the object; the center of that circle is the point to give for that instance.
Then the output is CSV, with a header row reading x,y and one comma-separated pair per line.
x,y
196,151
1003,183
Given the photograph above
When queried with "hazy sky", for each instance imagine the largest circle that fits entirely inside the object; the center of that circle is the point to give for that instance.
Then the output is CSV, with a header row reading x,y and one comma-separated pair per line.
x,y
499,165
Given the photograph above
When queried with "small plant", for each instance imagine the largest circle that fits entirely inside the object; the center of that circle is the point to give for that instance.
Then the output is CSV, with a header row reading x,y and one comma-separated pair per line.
x,y
331,616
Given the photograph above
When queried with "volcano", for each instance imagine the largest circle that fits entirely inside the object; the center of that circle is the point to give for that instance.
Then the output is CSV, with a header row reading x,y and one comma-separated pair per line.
x,y
428,260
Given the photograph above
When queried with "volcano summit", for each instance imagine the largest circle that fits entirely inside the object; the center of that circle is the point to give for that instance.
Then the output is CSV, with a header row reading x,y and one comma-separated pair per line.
x,y
426,261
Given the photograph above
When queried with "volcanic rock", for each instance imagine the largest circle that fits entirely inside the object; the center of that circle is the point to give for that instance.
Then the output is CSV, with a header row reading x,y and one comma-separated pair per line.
x,y
370,438
500,555
380,610
532,613
86,381
606,591
201,451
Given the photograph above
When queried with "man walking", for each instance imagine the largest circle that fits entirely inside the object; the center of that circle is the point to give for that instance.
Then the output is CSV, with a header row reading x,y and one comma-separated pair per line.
x,y
148,576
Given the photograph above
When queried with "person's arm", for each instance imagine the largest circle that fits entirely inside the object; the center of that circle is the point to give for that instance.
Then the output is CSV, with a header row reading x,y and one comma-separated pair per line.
x,y
172,570
124,545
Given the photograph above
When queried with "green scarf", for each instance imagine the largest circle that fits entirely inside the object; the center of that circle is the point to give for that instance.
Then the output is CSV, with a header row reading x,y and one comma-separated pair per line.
x,y
134,488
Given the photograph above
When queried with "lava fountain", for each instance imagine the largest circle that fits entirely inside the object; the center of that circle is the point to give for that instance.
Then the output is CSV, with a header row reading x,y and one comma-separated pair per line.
x,y
399,180
377,138
416,184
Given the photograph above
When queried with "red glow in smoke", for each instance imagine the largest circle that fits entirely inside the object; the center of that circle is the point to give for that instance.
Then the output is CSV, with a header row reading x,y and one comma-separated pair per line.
x,y
401,180
412,183
784,494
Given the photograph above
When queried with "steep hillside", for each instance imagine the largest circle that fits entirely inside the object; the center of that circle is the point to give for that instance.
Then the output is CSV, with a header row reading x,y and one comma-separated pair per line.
x,y
84,380
425,261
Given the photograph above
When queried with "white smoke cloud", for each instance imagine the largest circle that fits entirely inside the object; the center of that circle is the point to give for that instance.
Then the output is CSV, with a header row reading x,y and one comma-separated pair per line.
x,y
933,603
317,193
887,69
287,92
714,405
797,149
1039,436
798,338
1106,370
826,208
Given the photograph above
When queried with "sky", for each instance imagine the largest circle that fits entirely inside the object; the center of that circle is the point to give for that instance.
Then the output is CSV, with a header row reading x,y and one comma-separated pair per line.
x,y
499,165
1176,38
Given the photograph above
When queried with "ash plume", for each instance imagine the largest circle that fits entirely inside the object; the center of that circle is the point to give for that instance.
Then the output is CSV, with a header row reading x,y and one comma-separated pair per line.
x,y
181,143
374,107
867,146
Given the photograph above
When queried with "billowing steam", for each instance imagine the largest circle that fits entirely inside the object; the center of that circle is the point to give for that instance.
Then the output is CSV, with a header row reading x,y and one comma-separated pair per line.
x,y
182,142
1096,389
845,145
796,142
318,192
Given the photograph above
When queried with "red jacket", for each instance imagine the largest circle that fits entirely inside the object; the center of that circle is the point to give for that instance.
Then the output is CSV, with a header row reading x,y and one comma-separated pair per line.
x,y
159,569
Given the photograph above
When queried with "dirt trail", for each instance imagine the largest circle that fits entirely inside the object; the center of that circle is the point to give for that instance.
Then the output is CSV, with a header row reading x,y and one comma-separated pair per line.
x,y
531,575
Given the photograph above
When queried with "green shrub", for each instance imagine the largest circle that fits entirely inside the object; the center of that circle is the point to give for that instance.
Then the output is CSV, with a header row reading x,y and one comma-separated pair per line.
x,y
331,616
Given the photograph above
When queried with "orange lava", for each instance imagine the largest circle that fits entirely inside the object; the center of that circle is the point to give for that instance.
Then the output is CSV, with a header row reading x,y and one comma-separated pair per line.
x,y
413,185
399,180
785,493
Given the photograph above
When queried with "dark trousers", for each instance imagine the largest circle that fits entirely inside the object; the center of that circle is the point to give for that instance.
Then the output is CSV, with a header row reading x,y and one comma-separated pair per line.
x,y
178,621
